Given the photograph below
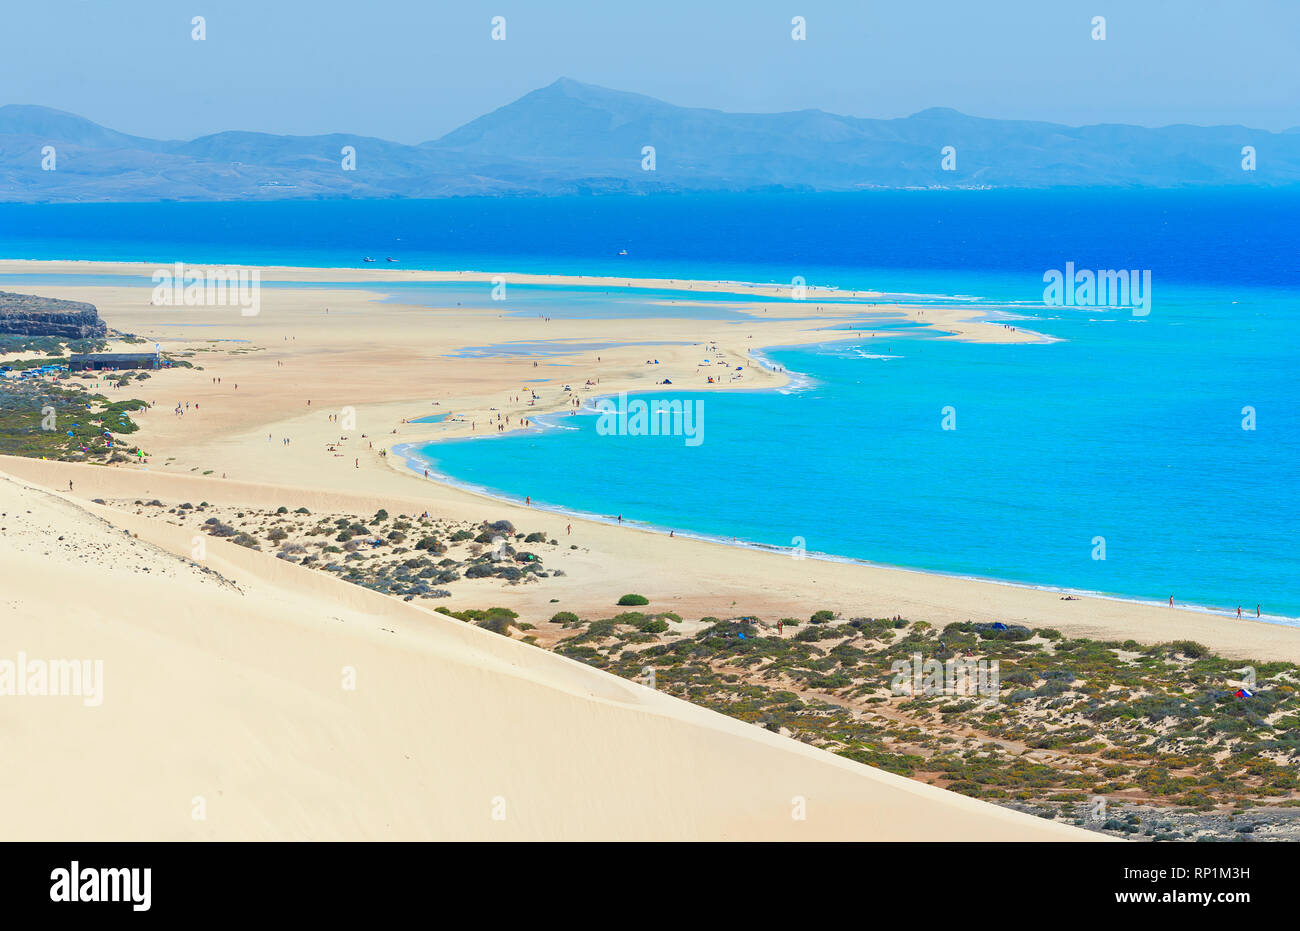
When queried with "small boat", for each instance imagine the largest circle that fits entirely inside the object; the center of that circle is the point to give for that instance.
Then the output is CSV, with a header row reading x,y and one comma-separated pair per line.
x,y
390,259
367,259
622,252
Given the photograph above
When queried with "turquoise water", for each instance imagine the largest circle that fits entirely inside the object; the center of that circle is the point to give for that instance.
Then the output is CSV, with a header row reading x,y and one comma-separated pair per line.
x,y
1128,428
431,418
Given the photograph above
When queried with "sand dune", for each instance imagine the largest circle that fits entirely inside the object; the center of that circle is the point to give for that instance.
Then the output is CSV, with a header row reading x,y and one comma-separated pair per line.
x,y
227,685
223,689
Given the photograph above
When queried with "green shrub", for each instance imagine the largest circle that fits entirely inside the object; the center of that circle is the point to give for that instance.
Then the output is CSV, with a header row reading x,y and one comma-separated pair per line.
x,y
822,617
634,600
1189,648
497,623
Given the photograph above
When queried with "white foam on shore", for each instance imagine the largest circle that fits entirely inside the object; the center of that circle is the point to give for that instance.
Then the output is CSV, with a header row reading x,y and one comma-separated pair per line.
x,y
795,381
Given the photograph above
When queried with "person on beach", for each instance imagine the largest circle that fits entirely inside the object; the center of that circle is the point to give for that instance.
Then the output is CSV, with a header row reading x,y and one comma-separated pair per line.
x,y
568,530
1257,611
1238,610
620,519
528,500
69,484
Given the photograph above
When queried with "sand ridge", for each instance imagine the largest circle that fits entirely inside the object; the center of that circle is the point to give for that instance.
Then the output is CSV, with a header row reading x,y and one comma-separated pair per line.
x,y
229,701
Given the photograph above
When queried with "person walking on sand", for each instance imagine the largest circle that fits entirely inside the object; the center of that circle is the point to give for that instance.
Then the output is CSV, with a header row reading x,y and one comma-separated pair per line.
x,y
1257,611
1238,610
568,530
528,500
1171,601
358,463
780,628
69,484
620,520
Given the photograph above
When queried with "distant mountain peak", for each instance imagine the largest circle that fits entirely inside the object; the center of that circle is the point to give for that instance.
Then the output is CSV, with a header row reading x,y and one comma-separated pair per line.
x,y
590,93
944,112
569,84
573,137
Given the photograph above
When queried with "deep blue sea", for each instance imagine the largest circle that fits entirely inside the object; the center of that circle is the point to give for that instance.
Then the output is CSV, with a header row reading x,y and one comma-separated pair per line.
x,y
1128,428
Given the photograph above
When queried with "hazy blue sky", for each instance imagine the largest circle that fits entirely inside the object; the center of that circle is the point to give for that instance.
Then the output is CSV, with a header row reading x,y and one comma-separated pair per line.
x,y
411,70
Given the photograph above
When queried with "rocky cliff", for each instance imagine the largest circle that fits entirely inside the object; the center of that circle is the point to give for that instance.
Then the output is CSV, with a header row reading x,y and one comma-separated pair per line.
x,y
28,315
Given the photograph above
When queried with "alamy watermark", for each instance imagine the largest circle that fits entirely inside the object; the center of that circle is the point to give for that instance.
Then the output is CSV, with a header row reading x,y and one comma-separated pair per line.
x,y
960,676
187,286
54,678
651,418
1108,287
77,883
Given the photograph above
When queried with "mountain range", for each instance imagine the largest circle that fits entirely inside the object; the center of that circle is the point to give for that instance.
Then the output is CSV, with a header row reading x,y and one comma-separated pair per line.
x,y
574,138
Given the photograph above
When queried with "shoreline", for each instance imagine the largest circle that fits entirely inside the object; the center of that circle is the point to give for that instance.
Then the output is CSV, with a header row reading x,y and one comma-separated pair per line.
x,y
402,451
792,381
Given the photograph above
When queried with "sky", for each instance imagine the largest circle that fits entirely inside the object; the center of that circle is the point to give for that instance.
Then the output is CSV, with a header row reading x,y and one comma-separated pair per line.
x,y
412,70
